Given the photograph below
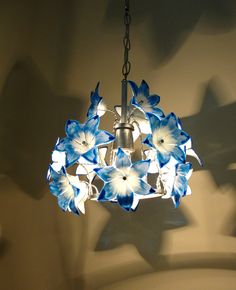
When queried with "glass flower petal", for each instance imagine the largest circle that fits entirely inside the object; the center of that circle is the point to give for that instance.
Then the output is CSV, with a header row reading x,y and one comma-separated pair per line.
x,y
144,188
122,159
91,155
141,167
58,161
190,151
106,173
73,128
103,137
152,156
126,201
97,106
107,192
87,168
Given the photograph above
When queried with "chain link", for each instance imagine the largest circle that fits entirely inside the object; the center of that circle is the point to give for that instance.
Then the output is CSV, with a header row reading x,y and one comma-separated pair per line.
x,y
126,42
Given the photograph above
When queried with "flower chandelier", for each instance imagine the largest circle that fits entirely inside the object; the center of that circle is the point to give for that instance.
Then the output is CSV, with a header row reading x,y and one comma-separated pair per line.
x,y
84,151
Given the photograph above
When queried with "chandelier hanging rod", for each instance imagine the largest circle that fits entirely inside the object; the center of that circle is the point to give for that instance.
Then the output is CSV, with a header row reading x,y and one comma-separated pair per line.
x,y
127,64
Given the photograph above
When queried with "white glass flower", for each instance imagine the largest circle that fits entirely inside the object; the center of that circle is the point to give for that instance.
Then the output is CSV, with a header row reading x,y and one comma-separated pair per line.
x,y
124,182
69,190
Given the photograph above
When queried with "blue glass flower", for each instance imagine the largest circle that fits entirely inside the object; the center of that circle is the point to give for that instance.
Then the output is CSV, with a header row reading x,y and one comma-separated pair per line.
x,y
82,140
180,187
173,178
69,190
97,106
58,161
167,138
188,148
143,101
124,181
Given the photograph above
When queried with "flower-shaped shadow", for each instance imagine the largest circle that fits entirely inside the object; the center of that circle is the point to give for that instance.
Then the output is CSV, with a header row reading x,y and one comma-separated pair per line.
x,y
143,228
27,108
170,23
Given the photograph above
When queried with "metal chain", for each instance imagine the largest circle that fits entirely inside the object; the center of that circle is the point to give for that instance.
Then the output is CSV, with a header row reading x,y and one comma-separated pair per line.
x,y
126,42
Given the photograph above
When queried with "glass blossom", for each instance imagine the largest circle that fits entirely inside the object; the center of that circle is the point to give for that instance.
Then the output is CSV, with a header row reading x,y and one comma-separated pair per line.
x,y
69,190
82,140
166,138
143,101
97,106
173,177
124,182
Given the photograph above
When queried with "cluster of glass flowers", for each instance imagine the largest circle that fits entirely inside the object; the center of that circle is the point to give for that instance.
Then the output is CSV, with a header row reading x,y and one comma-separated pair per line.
x,y
164,147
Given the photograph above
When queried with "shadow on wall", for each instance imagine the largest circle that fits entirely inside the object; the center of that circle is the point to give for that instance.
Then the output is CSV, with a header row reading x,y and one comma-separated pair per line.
x,y
143,228
212,130
32,116
4,246
170,22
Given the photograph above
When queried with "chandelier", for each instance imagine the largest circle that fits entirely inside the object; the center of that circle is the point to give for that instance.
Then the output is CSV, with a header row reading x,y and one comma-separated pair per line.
x,y
88,154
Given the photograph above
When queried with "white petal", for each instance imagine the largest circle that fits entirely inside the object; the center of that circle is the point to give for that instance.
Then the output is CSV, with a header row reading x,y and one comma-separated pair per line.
x,y
101,109
136,132
153,168
188,144
151,154
102,155
74,180
59,157
189,174
118,110
167,177
80,206
48,174
191,152
166,196
144,125
86,168
56,166
81,170
189,191
142,121
135,202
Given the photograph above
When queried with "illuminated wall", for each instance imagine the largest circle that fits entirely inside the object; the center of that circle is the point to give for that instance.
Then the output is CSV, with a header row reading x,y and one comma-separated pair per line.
x,y
52,54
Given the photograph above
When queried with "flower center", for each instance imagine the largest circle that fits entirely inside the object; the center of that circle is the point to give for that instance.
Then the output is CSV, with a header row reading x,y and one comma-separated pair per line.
x,y
161,141
85,143
124,177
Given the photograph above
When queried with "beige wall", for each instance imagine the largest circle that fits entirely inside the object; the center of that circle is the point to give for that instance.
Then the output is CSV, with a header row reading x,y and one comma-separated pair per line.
x,y
52,54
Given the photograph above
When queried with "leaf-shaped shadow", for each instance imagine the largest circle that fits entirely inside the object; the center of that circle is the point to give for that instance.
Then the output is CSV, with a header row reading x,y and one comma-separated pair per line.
x,y
4,246
143,228
213,129
32,117
170,22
